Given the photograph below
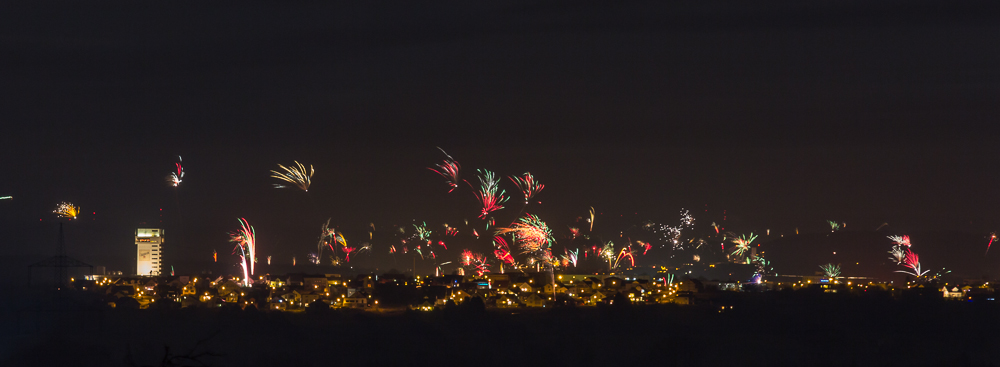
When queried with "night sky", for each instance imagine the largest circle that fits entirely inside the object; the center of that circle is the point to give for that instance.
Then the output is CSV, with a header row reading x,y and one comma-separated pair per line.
x,y
781,113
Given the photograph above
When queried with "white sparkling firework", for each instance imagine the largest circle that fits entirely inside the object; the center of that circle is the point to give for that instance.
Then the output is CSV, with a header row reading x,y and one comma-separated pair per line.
x,y
672,234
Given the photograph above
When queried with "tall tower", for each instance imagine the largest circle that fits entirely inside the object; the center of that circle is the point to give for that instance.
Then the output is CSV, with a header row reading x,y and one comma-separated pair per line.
x,y
148,251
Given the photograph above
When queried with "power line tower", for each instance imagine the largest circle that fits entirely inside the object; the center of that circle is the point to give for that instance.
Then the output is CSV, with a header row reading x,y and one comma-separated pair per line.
x,y
61,263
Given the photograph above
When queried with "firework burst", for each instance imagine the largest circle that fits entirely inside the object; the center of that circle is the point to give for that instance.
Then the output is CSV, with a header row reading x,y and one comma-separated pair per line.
x,y
900,240
422,232
897,254
608,253
296,176
67,210
528,186
830,270
762,267
490,195
571,257
672,234
175,178
502,251
834,225
912,261
475,262
449,170
531,233
742,244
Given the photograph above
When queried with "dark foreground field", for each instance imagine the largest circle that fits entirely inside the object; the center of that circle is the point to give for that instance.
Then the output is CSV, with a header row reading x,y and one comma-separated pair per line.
x,y
774,329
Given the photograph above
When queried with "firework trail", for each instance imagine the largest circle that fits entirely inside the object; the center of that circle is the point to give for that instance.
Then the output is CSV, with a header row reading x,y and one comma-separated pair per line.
x,y
328,236
365,248
67,210
993,236
296,176
175,178
528,186
325,232
293,260
268,260
830,270
591,219
243,264
6,197
246,239
215,256
313,258
571,257
490,195
716,226
347,252
625,252
880,226
450,231
449,170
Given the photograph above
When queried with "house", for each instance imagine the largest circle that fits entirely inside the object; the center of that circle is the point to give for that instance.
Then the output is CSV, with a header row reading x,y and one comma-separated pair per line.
x,y
459,295
306,296
558,286
596,298
277,303
953,293
594,282
507,300
534,300
118,291
613,283
425,306
189,289
314,282
358,300
333,280
524,287
229,291
635,295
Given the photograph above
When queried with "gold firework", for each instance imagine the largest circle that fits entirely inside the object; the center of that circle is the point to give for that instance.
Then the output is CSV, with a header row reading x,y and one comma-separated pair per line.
x,y
294,175
67,210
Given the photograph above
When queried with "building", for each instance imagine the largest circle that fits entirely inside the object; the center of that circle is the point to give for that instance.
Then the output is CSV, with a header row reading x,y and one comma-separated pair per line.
x,y
149,251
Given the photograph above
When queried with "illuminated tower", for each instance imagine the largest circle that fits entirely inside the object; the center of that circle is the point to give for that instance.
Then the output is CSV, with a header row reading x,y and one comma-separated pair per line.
x,y
148,251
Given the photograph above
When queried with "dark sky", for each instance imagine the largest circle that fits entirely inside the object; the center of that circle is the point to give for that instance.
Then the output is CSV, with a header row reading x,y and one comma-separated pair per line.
x,y
783,113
